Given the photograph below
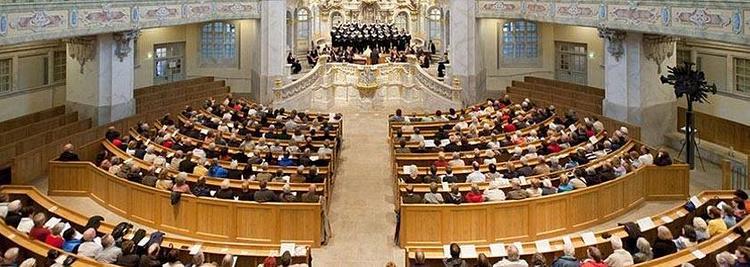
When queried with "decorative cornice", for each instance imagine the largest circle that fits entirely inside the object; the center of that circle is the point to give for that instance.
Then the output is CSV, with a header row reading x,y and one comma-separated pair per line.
x,y
724,21
26,22
614,38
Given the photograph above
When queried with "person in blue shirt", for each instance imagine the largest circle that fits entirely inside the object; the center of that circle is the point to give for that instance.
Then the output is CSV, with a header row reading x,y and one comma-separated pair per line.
x,y
286,160
71,243
216,170
565,184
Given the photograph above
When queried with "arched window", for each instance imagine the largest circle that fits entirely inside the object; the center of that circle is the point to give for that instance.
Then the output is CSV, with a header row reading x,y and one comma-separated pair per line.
x,y
289,29
219,43
303,29
520,42
336,18
435,17
401,21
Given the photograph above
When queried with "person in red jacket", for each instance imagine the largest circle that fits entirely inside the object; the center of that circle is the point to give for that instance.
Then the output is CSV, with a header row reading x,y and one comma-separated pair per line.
x,y
54,238
475,196
594,259
441,162
38,232
510,127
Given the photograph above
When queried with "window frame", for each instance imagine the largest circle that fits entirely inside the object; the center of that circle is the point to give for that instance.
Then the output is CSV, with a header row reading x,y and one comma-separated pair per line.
x,y
735,77
8,75
60,68
224,44
517,61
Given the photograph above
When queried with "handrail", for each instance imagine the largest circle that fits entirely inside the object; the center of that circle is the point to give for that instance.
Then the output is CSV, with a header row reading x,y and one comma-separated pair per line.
x,y
452,92
282,92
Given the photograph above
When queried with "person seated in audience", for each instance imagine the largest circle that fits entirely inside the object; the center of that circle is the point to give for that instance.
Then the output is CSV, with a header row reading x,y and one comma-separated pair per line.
x,y
39,232
687,239
180,183
662,158
565,184
645,156
127,257
10,257
410,197
727,214
494,193
419,259
201,168
475,176
455,257
13,216
402,147
535,190
454,196
310,196
224,191
594,258
414,178
313,176
110,252
286,160
663,245
216,170
245,193
287,195
279,176
740,210
54,239
644,251
440,162
151,258
547,187
149,177
457,161
88,247
701,229
526,169
716,224
296,66
68,153
619,257
474,196
200,189
433,197
513,259
265,195
516,192
725,259
568,259
492,174
449,177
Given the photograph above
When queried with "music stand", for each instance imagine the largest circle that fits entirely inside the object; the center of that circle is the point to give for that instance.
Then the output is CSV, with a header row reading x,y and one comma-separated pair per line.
x,y
695,145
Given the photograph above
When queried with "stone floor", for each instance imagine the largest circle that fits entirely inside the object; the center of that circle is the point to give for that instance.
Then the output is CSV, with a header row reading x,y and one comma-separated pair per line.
x,y
361,213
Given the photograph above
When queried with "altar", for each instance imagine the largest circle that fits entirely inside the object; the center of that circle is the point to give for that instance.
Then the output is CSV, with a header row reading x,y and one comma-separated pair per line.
x,y
367,88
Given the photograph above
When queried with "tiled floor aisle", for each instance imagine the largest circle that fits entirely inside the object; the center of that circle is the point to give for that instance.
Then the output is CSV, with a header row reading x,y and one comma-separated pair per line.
x,y
361,212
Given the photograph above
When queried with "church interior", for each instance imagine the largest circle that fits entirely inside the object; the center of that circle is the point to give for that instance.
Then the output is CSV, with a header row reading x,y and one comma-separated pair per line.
x,y
449,133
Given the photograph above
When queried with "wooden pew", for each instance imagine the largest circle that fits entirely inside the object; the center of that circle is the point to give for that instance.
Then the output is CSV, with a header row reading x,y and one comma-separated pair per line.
x,y
181,95
162,87
673,219
27,130
28,248
540,217
31,118
249,254
194,217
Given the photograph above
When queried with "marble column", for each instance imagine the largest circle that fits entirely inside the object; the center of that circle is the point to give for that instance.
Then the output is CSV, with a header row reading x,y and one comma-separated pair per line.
x,y
634,94
102,87
463,49
272,47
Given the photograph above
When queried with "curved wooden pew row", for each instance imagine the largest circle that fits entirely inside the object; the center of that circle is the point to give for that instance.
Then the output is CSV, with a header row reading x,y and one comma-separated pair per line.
x,y
540,217
673,219
214,181
28,248
246,252
195,217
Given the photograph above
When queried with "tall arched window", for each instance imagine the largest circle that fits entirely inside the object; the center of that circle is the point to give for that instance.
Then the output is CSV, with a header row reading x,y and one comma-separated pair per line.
x,y
303,28
435,17
219,44
336,18
401,21
289,30
447,28
520,42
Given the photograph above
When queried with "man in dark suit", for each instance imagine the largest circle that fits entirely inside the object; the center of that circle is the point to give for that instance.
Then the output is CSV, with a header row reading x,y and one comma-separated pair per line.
x,y
265,195
68,154
433,49
313,176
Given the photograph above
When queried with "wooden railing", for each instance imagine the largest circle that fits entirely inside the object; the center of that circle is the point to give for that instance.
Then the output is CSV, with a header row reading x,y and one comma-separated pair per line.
x,y
535,218
195,217
718,130
31,118
248,254
673,219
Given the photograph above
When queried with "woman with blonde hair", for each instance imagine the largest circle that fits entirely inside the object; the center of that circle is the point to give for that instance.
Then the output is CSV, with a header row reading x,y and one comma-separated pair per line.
x,y
663,245
644,251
